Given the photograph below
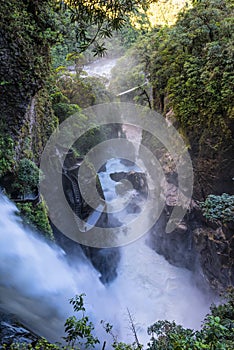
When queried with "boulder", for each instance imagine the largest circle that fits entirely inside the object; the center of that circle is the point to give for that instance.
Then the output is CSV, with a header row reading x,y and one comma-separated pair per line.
x,y
138,180
12,331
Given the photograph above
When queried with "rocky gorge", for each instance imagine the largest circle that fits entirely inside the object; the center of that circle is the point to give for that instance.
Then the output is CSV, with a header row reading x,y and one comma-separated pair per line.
x,y
200,244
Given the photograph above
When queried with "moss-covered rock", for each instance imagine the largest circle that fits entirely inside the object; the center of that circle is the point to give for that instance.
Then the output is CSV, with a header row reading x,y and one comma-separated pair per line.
x,y
27,30
37,217
25,38
7,153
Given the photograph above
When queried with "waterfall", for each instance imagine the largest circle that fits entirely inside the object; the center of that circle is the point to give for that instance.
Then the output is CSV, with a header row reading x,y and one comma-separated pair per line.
x,y
36,281
134,135
147,285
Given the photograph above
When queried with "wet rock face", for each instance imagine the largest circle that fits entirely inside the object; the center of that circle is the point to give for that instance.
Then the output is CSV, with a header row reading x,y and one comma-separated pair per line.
x,y
198,245
11,331
26,113
138,180
178,247
14,102
216,254
106,261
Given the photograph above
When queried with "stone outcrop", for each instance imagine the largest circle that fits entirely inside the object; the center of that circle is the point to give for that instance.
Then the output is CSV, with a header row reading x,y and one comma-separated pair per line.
x,y
11,331
26,113
137,179
199,245
215,246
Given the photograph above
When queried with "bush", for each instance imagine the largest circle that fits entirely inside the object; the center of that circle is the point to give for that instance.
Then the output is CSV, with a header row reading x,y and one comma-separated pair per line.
x,y
37,217
27,177
217,332
6,154
218,208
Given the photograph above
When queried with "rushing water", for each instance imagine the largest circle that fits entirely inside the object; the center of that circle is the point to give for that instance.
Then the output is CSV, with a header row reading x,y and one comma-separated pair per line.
x,y
99,68
36,281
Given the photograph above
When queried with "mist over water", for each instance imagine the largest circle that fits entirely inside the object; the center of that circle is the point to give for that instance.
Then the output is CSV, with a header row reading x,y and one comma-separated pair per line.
x,y
36,283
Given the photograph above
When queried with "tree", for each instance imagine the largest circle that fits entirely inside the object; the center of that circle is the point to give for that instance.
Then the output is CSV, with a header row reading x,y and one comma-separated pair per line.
x,y
79,330
190,66
27,175
217,332
97,19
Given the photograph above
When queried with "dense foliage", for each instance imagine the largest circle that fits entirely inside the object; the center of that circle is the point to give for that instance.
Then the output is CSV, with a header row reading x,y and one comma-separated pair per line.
x,y
27,177
7,153
190,69
218,208
29,31
217,332
96,20
192,64
37,217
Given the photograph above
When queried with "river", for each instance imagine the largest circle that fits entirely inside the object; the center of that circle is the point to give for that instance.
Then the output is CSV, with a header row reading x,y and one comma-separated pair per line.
x,y
36,279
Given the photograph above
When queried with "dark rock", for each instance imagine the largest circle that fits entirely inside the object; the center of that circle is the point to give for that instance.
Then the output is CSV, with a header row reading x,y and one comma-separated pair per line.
x,y
177,247
102,169
208,251
215,255
105,261
11,331
137,179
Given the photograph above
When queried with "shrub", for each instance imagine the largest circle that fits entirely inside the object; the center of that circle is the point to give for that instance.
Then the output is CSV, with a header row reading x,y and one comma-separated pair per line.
x,y
218,208
27,177
37,216
6,154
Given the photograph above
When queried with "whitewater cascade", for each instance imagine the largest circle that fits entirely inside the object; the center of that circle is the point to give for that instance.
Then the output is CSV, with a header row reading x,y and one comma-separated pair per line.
x,y
36,281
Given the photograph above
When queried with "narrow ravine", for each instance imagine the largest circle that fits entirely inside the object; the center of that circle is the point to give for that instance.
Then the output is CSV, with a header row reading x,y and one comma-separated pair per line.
x,y
36,281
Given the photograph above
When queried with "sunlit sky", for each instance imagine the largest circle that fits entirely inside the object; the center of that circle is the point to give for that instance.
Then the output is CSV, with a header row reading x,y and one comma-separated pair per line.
x,y
164,12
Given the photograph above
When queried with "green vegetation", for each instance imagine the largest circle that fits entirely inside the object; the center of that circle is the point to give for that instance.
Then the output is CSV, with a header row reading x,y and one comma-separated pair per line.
x,y
189,67
81,90
29,28
23,183
7,154
218,208
37,217
27,177
62,106
79,331
95,21
127,74
217,332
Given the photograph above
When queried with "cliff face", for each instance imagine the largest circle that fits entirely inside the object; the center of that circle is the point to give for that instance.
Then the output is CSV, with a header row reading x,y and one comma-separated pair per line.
x,y
199,245
24,55
26,118
11,332
215,246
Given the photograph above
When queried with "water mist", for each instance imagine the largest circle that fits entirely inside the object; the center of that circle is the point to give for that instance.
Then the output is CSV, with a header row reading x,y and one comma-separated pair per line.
x,y
36,283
